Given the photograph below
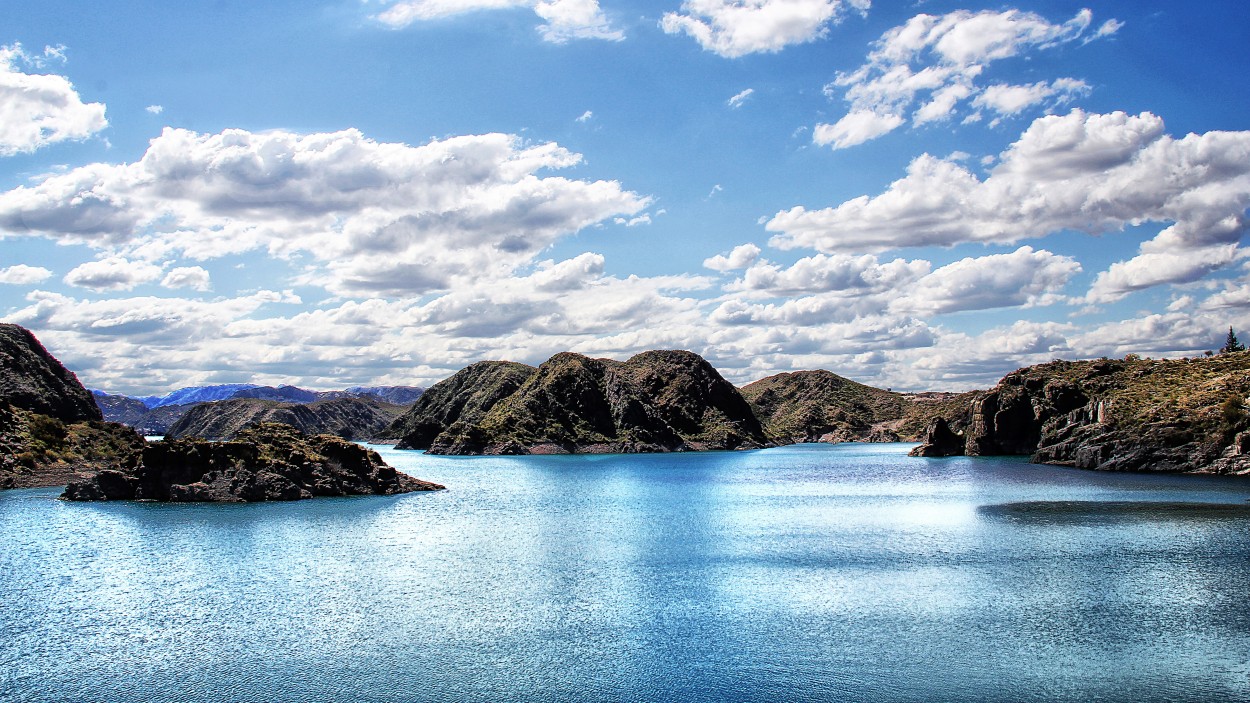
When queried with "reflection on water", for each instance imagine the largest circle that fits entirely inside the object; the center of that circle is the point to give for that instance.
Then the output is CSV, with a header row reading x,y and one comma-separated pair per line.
x,y
807,573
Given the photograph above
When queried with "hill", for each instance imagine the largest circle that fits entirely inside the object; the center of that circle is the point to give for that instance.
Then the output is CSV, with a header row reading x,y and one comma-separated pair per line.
x,y
657,401
349,418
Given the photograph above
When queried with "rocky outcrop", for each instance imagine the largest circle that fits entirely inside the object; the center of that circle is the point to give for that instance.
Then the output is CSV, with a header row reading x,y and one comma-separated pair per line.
x,y
268,462
939,440
350,418
1169,415
658,401
32,379
463,399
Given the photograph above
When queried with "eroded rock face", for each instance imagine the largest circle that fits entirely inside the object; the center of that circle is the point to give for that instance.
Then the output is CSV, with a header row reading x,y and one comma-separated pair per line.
x,y
657,401
268,462
1170,415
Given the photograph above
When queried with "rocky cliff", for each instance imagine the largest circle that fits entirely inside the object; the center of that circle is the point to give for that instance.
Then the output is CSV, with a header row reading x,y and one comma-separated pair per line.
x,y
657,401
268,462
350,418
1173,415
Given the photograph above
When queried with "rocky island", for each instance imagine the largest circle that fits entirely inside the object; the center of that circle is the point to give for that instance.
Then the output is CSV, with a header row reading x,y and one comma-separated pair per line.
x,y
51,434
270,461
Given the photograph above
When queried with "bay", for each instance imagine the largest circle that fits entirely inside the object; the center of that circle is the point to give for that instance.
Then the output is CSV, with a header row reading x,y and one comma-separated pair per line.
x,y
804,573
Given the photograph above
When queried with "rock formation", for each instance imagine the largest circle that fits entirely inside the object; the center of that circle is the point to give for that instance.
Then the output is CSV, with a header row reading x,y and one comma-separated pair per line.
x,y
271,461
350,418
657,401
1170,415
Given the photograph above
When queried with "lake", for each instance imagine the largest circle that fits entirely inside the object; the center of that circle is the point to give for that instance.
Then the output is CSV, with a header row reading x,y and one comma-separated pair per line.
x,y
804,573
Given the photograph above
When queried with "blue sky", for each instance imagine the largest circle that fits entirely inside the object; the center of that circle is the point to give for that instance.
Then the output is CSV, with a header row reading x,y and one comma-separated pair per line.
x,y
915,195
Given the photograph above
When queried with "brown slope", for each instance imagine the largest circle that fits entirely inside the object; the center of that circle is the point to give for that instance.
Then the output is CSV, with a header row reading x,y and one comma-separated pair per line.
x,y
350,418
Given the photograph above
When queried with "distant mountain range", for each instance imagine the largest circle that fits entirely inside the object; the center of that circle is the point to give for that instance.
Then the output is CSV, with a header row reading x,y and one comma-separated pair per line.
x,y
154,415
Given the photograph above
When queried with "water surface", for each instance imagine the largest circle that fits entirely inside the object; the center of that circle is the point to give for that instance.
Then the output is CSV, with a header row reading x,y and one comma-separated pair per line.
x,y
806,573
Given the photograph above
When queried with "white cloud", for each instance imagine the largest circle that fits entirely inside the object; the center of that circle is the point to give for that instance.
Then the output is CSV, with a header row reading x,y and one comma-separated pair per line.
x,y
154,109
41,109
378,219
563,19
574,19
1023,277
740,257
733,28
193,277
1007,99
936,62
736,101
1085,172
112,273
839,273
855,127
586,116
21,274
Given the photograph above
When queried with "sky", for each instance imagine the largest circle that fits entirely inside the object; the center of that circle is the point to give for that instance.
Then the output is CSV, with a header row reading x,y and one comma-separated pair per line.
x,y
914,195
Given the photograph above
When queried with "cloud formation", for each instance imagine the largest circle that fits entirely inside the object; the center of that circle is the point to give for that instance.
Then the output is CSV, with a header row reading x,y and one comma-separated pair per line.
x,y
562,19
1089,173
21,274
734,28
41,109
377,219
929,66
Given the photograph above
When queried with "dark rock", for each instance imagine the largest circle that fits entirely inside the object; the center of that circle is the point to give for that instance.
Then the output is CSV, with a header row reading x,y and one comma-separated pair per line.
x,y
939,441
268,462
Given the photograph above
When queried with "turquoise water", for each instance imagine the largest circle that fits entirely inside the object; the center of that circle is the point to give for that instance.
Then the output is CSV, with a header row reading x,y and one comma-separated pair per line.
x,y
807,573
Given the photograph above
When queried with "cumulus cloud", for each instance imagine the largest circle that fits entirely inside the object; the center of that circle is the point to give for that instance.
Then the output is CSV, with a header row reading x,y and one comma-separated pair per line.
x,y
1023,277
929,66
742,256
1091,173
154,109
856,127
733,28
21,274
193,277
841,273
378,219
41,109
112,273
562,19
